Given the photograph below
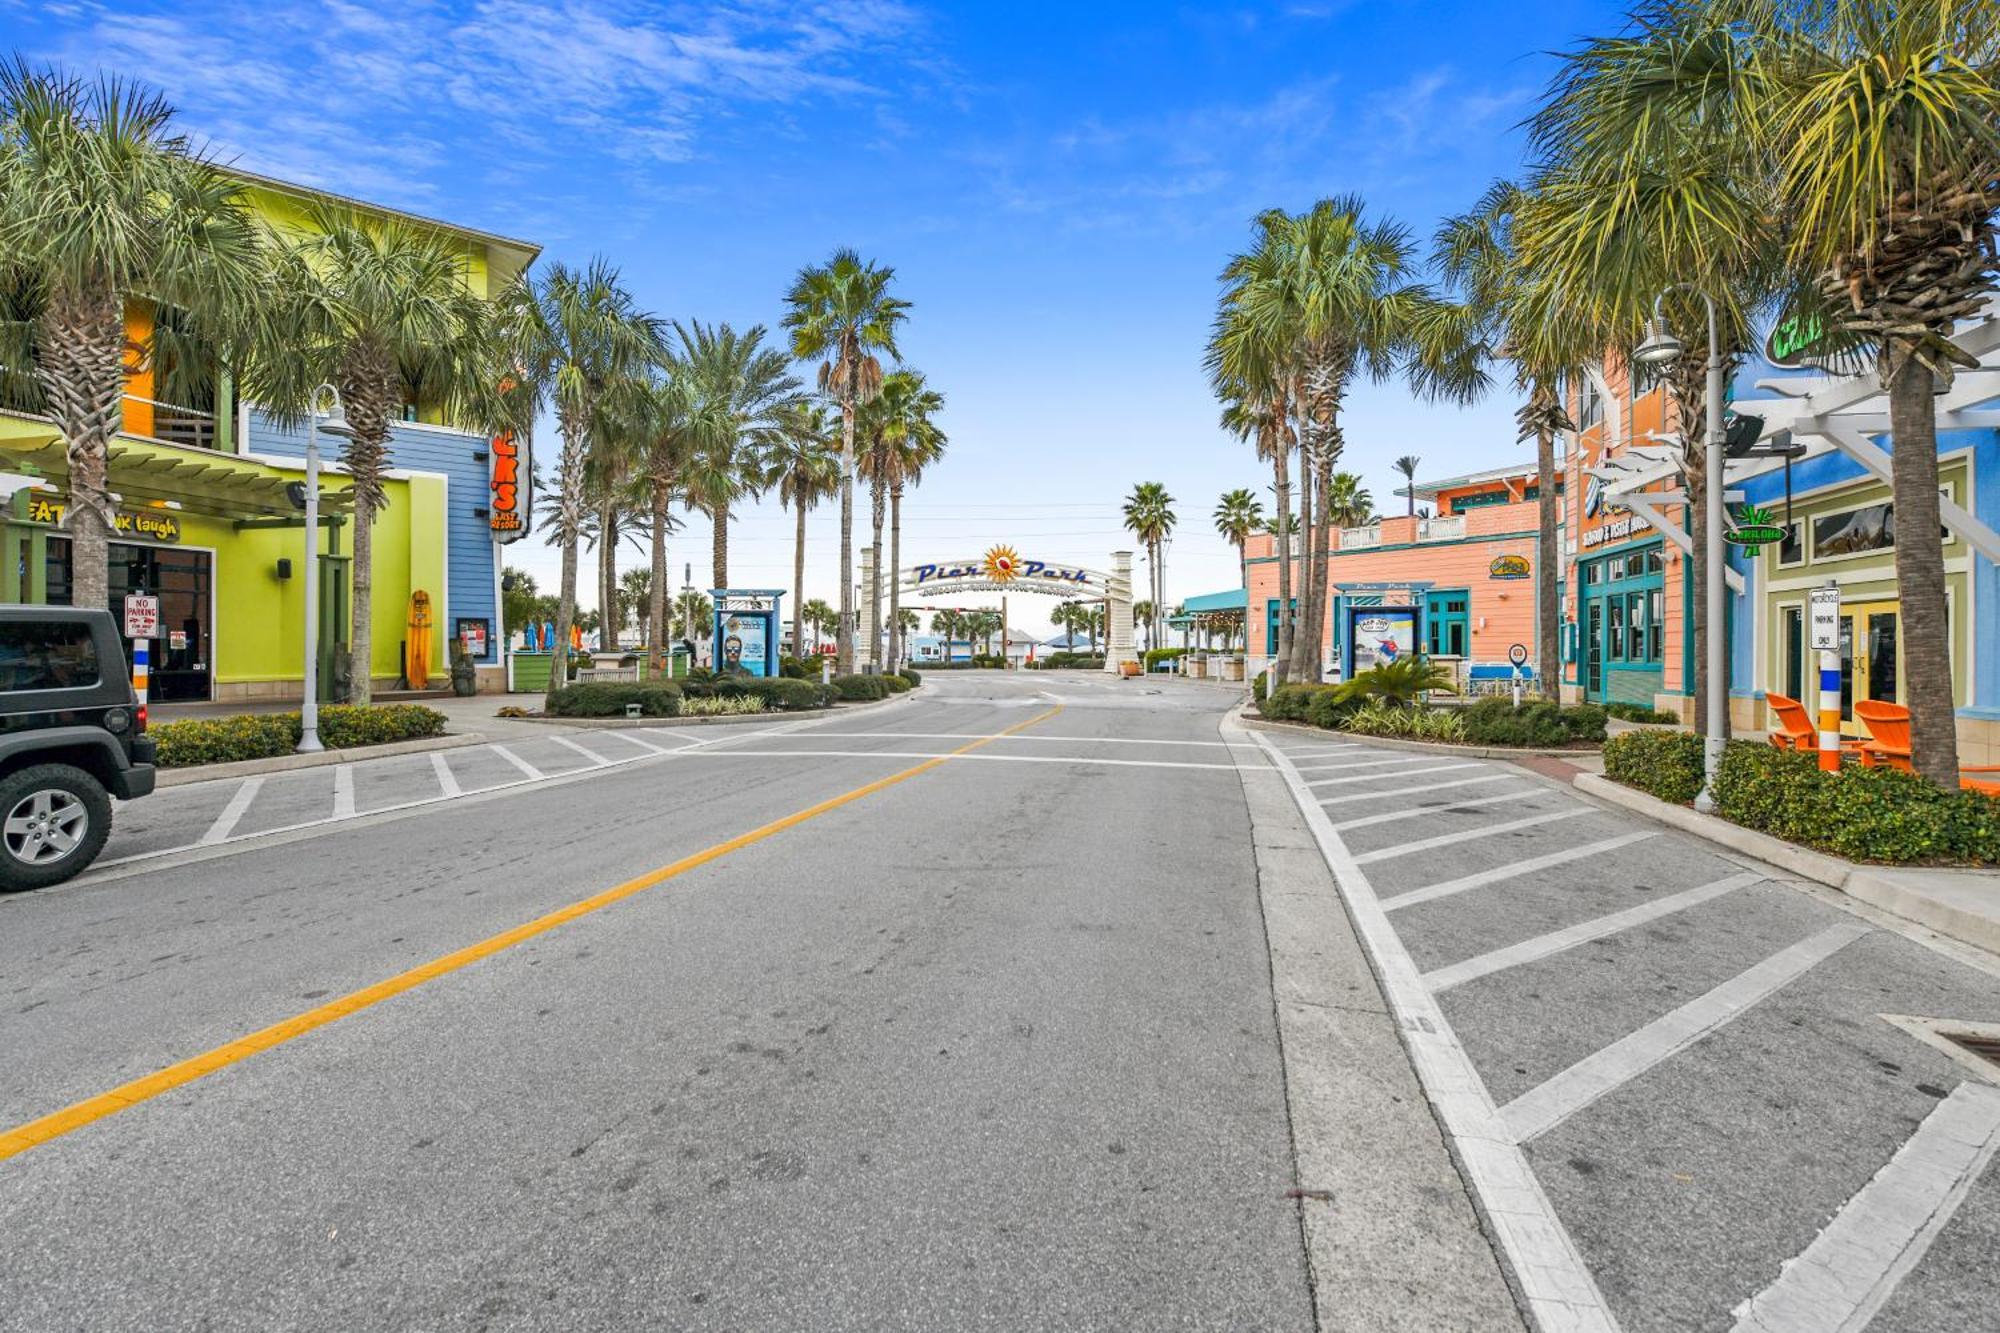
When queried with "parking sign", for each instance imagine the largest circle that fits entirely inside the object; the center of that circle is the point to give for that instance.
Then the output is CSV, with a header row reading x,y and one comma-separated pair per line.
x,y
142,616
1826,617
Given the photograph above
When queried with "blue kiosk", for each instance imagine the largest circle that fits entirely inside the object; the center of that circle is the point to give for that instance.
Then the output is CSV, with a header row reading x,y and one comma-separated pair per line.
x,y
747,630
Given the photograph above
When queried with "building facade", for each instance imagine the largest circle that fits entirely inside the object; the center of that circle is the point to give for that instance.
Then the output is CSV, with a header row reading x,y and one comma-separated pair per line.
x,y
205,521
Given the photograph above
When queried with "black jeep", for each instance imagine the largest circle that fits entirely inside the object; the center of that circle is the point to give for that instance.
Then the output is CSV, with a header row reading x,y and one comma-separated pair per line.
x,y
71,737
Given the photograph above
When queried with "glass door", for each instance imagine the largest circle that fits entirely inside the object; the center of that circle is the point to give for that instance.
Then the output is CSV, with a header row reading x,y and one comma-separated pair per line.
x,y
1593,650
1870,659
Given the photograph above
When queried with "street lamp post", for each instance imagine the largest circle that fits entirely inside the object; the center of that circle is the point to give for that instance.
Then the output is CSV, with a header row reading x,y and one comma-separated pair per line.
x,y
1662,348
309,742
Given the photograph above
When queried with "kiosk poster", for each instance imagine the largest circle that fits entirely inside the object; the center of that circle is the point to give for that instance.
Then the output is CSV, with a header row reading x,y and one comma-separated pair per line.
x,y
1381,634
743,644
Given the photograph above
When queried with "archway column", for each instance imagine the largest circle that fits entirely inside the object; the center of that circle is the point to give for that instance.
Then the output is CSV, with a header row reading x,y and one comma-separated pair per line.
x,y
867,648
1118,613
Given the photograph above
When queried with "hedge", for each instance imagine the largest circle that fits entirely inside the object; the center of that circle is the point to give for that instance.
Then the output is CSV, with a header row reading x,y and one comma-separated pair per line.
x,y
857,688
1069,661
1666,764
606,698
1625,712
1289,703
896,683
717,706
914,676
1861,814
782,692
1537,724
222,740
1153,656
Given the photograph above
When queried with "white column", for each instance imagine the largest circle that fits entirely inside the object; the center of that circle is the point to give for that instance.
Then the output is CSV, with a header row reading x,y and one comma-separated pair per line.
x,y
867,650
1118,627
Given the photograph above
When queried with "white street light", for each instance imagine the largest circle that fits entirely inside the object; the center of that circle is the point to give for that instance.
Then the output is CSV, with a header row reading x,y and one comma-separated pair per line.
x,y
336,424
1661,348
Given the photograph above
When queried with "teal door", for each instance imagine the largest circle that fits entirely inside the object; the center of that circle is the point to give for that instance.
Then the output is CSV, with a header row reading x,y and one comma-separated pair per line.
x,y
1448,623
1624,599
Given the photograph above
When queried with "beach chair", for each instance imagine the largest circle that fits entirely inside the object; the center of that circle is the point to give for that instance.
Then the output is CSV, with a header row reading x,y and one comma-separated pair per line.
x,y
1791,726
1889,724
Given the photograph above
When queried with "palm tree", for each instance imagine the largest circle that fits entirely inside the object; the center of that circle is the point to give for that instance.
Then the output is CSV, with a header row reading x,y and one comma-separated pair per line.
x,y
947,624
1142,613
635,601
842,315
580,344
1502,311
742,393
693,614
911,442
104,206
372,306
1149,516
1407,466
821,617
1237,515
805,459
667,428
1348,503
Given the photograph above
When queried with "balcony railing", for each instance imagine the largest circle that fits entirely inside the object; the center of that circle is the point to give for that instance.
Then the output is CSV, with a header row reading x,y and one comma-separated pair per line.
x,y
186,426
1441,529
1355,539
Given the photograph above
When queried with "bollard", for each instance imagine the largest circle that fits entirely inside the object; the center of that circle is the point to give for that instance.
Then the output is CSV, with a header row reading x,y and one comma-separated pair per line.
x,y
1829,709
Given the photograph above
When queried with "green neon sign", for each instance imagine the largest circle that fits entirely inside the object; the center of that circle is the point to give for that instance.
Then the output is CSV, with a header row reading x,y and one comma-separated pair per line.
x,y
1754,528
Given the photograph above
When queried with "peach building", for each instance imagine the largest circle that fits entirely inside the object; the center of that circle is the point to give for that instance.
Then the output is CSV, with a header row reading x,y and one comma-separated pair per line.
x,y
1464,578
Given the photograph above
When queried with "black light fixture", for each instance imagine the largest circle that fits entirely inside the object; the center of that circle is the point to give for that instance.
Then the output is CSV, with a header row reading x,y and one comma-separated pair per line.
x,y
284,566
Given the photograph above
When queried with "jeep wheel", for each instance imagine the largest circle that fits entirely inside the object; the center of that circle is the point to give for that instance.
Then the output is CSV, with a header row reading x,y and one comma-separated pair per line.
x,y
53,822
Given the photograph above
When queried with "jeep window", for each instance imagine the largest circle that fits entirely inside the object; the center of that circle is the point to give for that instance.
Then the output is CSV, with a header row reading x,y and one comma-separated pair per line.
x,y
47,655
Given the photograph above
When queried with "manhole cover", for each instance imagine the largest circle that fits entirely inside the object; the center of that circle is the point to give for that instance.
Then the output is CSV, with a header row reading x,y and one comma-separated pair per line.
x,y
1974,1046
1985,1046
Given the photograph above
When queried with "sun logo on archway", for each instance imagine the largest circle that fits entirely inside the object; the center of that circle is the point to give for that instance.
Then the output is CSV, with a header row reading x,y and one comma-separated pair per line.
x,y
1002,563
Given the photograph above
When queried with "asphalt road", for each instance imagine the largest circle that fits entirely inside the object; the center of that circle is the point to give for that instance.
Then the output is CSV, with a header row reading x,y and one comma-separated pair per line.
x,y
1027,1002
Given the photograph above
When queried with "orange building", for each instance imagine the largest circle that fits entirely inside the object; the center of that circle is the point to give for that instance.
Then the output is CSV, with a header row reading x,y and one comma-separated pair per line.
x,y
1464,577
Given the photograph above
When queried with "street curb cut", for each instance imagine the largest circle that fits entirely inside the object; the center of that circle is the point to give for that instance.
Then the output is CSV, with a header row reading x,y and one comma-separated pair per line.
x,y
1419,747
286,763
1856,881
732,720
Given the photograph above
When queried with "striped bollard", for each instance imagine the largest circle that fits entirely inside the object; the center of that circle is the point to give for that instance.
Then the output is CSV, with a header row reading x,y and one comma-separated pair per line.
x,y
1829,710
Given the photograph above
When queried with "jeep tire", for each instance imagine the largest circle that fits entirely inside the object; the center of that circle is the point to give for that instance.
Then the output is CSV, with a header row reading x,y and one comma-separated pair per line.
x,y
54,819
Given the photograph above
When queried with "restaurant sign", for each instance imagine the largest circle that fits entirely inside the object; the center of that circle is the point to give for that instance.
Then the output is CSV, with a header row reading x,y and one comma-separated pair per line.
x,y
1754,528
1509,567
508,512
156,525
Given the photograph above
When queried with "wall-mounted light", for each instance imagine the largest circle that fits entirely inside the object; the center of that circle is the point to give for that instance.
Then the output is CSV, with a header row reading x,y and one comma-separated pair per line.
x,y
479,512
479,455
284,570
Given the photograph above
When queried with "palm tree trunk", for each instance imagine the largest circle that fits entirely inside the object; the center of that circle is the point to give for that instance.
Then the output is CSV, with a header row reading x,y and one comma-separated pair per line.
x,y
569,529
719,545
1926,658
844,635
877,502
657,594
1322,534
367,396
799,585
1548,612
607,575
81,369
1281,476
895,580
1303,648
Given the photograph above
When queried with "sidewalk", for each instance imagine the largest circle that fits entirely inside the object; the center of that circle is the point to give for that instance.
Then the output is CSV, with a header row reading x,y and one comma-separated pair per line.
x,y
474,714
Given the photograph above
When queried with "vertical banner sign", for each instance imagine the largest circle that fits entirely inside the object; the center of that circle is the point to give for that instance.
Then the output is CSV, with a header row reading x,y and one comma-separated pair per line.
x,y
1380,635
508,510
743,644
1824,611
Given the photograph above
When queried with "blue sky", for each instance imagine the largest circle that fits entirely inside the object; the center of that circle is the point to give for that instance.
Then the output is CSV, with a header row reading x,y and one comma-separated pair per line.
x,y
1057,186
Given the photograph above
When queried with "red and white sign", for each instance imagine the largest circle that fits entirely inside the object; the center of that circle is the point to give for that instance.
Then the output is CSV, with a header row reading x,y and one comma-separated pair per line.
x,y
142,616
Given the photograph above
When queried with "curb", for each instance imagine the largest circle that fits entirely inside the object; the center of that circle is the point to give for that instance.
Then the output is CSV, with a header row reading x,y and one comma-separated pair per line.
x,y
1861,882
1418,747
286,763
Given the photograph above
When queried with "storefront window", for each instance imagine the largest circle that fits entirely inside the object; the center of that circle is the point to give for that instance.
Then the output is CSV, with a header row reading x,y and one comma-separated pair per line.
x,y
1857,530
1792,550
1656,627
1791,638
1616,636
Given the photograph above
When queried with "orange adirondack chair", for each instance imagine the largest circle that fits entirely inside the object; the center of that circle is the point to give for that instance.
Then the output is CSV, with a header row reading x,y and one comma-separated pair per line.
x,y
1889,724
1791,726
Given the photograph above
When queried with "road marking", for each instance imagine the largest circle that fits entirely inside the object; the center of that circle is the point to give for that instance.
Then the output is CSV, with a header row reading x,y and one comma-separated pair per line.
x,y
1555,1283
1412,791
1038,739
1848,1273
1372,763
1468,835
957,754
239,804
343,791
1378,777
1542,1108
1559,941
516,761
447,780
596,760
642,742
92,1109
1413,811
1499,873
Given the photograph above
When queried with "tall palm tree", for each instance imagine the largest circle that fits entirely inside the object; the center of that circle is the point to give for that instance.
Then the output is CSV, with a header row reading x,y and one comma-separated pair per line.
x,y
694,614
104,206
912,442
1406,467
372,306
841,315
742,391
805,461
667,425
580,344
821,617
635,602
1501,310
1237,515
1149,516
1348,503
946,623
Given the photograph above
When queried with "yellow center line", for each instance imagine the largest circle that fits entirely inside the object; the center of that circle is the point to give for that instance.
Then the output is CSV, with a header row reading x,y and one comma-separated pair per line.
x,y
56,1124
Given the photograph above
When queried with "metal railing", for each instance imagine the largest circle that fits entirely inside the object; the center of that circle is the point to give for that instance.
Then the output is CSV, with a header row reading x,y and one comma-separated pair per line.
x,y
174,424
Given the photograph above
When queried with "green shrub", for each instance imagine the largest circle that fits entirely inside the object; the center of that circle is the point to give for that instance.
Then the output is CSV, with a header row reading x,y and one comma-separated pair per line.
x,y
797,668
717,706
1070,661
1329,706
857,688
606,698
222,740
1862,814
1404,680
1625,712
1380,717
1288,703
895,681
1257,686
1666,764
914,676
988,661
778,692
1154,656
1537,724
1584,722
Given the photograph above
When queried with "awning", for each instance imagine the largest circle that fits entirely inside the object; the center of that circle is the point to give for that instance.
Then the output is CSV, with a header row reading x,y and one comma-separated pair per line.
x,y
196,481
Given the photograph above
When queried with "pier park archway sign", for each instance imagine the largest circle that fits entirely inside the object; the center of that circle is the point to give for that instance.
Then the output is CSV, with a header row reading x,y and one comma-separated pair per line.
x,y
1003,569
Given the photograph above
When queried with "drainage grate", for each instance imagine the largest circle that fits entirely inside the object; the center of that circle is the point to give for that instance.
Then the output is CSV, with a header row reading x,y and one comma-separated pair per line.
x,y
1984,1045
